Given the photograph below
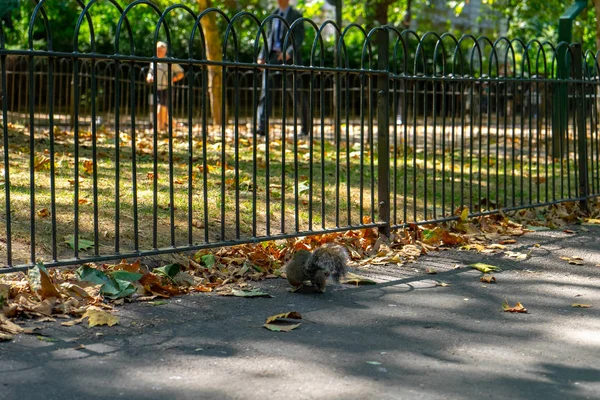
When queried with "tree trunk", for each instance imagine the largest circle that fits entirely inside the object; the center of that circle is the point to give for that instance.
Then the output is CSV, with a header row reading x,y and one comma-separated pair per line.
x,y
597,7
214,46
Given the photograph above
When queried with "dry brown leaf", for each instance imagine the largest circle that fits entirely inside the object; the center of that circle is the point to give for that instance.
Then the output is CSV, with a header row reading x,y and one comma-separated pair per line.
x,y
9,327
43,213
46,288
518,308
488,279
88,166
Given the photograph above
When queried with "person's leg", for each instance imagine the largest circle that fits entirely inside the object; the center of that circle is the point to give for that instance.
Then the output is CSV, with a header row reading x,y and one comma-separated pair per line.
x,y
303,102
161,117
263,106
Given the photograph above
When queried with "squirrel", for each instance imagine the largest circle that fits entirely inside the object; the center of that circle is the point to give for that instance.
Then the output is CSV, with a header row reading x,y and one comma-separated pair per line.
x,y
316,267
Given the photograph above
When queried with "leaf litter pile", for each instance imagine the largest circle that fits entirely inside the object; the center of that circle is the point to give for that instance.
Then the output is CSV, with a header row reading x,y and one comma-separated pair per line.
x,y
93,290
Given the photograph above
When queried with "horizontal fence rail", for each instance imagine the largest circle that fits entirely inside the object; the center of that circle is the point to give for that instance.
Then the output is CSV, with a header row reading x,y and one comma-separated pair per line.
x,y
412,130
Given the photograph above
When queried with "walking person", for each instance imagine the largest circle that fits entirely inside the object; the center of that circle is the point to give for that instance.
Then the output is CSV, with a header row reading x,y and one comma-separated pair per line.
x,y
274,53
162,84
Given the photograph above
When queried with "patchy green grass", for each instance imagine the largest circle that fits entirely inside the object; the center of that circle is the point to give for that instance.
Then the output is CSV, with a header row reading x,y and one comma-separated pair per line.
x,y
189,191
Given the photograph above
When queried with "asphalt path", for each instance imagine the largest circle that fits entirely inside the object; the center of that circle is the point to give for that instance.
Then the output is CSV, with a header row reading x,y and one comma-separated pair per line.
x,y
404,338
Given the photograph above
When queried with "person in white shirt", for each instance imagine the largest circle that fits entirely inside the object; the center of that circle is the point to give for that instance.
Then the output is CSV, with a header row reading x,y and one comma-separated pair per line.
x,y
162,83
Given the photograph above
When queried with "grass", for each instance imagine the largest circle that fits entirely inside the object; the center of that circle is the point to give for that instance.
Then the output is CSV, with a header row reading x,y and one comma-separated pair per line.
x,y
213,192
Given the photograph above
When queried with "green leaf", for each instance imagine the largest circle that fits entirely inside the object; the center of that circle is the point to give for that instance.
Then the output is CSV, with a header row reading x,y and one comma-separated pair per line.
x,y
485,268
82,244
250,293
117,289
126,276
93,275
208,260
168,271
112,287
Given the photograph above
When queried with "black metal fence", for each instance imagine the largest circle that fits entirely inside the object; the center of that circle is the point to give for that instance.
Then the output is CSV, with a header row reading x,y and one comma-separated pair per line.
x,y
418,128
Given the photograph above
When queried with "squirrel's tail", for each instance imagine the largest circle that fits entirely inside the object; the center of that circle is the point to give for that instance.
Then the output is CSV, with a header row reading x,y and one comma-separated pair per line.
x,y
329,258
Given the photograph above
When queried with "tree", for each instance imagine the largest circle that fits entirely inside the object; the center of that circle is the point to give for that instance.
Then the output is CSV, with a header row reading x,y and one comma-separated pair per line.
x,y
214,45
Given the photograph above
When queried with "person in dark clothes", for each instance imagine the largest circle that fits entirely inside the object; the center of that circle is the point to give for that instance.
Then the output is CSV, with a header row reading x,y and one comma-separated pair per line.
x,y
274,53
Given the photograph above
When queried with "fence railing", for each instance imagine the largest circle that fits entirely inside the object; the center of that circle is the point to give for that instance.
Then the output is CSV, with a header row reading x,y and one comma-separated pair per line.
x,y
419,128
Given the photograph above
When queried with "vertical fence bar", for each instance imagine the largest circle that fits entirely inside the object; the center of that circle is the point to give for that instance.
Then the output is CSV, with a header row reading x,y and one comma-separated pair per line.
x,y
117,155
134,188
383,131
51,62
32,160
581,137
6,162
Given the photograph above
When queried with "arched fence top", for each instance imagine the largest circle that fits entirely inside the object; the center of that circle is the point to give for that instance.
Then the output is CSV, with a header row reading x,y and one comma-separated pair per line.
x,y
352,47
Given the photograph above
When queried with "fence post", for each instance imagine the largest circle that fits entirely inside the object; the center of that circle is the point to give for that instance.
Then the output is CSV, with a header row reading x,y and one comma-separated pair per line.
x,y
580,107
383,130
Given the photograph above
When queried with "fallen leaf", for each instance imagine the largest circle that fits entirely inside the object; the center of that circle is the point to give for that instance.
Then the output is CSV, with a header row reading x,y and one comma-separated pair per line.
x,y
40,282
488,279
6,337
82,244
442,284
88,166
581,305
281,328
72,322
251,293
43,213
287,315
518,308
485,268
517,255
353,279
9,327
47,339
98,317
158,303
373,362
569,231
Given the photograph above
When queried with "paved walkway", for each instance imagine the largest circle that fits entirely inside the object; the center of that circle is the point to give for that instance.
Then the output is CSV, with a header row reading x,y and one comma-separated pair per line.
x,y
405,338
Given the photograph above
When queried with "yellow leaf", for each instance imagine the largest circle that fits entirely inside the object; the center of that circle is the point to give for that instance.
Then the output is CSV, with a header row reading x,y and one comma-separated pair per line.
x,y
518,308
290,315
464,214
485,268
353,279
43,212
97,318
442,284
581,305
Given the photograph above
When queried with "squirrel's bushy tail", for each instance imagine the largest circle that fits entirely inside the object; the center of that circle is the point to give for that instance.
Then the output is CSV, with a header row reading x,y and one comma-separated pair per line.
x,y
329,258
